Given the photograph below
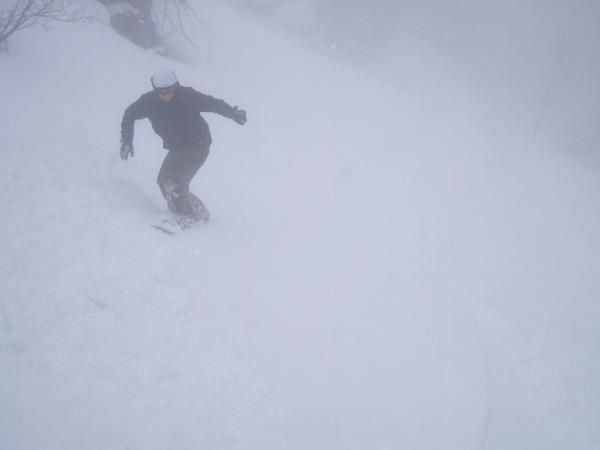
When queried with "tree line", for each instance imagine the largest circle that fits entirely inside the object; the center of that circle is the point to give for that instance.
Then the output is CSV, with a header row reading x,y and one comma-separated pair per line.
x,y
134,19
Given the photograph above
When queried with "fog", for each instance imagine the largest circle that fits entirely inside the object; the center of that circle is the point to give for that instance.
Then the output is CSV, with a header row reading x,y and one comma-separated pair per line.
x,y
402,253
536,64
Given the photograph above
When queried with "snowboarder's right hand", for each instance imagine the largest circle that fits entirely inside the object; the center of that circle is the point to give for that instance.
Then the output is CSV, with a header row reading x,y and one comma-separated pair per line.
x,y
126,150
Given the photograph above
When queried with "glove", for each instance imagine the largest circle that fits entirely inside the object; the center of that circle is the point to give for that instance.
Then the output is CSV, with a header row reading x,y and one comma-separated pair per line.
x,y
126,150
239,115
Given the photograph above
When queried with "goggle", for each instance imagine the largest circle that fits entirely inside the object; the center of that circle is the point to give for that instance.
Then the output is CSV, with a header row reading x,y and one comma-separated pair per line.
x,y
166,91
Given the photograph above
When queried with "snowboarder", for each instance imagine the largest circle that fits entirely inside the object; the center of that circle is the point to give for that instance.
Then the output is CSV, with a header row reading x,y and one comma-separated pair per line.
x,y
174,113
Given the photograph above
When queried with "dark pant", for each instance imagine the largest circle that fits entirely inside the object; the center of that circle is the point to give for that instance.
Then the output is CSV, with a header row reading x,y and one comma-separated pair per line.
x,y
174,177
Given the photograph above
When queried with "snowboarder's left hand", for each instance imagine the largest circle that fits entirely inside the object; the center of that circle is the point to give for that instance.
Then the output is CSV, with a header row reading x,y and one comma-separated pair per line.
x,y
126,151
239,115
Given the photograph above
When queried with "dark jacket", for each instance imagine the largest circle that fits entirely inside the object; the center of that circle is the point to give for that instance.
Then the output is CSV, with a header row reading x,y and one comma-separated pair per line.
x,y
177,122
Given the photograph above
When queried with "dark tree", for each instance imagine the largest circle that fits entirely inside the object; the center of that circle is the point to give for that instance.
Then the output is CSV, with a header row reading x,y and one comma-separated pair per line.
x,y
133,19
16,15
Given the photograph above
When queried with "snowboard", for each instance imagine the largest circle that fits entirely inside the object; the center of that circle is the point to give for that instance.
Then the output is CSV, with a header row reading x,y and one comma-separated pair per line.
x,y
176,223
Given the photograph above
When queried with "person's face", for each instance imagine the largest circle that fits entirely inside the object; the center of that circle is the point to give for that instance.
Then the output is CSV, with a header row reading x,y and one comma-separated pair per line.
x,y
166,94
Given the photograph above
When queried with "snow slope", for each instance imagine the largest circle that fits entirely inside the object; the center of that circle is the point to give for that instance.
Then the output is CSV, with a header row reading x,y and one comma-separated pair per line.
x,y
386,268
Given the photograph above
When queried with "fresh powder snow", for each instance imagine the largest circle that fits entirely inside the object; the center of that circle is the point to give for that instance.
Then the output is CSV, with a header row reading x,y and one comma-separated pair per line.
x,y
403,253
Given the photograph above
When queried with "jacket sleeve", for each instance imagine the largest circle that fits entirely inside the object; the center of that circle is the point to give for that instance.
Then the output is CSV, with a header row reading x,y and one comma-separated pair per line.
x,y
206,103
140,109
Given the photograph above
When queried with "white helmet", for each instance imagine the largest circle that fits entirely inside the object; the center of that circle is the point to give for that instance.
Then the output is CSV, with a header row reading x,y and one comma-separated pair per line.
x,y
163,78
